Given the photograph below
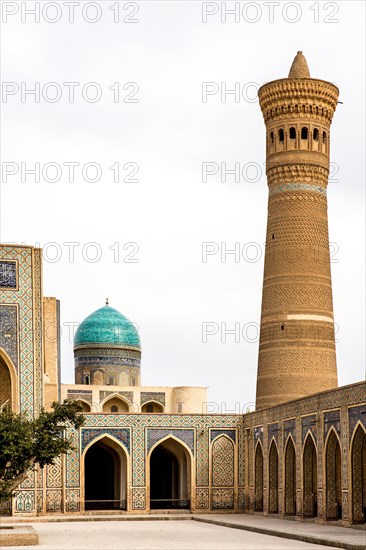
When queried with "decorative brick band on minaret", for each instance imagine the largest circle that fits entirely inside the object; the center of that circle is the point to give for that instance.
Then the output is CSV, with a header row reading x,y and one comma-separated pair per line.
x,y
297,349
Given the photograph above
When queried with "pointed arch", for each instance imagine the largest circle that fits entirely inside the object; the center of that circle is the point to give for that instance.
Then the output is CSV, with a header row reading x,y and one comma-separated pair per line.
x,y
170,474
258,477
152,406
273,478
310,477
86,406
115,400
105,469
333,476
358,468
8,383
290,477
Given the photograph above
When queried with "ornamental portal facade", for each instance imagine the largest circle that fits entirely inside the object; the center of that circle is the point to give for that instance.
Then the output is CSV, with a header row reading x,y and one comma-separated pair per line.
x,y
302,453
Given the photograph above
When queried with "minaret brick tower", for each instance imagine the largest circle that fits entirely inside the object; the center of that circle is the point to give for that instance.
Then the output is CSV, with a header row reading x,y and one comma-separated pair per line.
x,y
297,348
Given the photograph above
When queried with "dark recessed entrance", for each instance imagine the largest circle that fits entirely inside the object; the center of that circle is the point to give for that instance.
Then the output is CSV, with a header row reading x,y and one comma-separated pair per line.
x,y
169,476
104,477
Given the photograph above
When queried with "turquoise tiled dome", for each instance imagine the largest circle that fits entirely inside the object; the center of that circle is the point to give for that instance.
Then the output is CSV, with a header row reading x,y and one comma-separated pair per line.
x,y
107,326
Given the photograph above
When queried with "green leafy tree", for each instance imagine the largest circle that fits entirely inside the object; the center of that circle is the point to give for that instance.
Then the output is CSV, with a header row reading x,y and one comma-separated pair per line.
x,y
27,443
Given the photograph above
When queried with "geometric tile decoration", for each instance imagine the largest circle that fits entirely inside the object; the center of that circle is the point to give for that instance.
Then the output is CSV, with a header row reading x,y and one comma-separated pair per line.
x,y
332,419
8,275
222,499
126,394
355,415
202,498
222,462
152,396
9,331
258,434
121,434
229,433
154,435
86,395
138,499
289,428
308,423
275,189
273,430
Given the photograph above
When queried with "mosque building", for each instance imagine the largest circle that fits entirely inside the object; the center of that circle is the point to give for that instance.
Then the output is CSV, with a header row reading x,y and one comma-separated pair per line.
x,y
301,453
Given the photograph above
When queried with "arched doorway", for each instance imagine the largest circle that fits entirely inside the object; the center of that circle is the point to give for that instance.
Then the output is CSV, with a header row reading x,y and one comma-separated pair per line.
x,y
258,478
333,477
310,478
290,478
105,469
8,383
170,476
273,479
358,465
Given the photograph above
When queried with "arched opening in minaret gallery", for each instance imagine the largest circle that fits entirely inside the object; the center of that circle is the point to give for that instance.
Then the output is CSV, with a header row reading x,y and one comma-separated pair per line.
x,y
105,475
170,476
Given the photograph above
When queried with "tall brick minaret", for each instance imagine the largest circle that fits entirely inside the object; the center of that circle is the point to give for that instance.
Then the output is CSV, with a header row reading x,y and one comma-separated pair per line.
x,y
297,349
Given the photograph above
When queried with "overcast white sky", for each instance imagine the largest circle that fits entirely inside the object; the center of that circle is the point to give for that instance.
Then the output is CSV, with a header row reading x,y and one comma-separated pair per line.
x,y
168,133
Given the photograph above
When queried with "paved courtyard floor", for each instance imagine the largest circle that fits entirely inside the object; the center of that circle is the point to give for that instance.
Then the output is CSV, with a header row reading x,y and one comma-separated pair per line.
x,y
146,535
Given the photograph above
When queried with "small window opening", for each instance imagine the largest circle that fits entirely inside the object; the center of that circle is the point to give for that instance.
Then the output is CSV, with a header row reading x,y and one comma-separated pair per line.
x,y
273,237
114,409
316,134
304,133
282,327
281,135
292,133
87,379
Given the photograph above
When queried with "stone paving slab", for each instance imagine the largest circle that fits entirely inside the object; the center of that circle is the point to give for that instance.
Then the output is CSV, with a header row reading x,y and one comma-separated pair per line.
x,y
329,535
153,535
18,535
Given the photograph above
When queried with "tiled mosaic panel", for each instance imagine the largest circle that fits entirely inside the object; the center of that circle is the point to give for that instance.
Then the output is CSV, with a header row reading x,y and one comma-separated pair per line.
x,y
126,394
222,499
121,434
54,474
138,499
273,430
38,325
355,415
29,482
9,331
72,500
222,462
241,498
86,395
229,433
54,500
40,500
202,498
28,297
155,435
8,275
152,396
73,461
309,423
289,427
258,434
332,419
24,501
